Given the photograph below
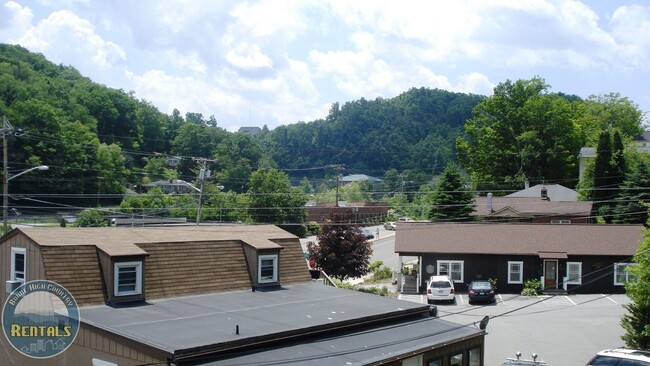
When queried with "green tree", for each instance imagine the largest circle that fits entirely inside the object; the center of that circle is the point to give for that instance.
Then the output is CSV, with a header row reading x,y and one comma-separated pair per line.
x,y
156,169
342,251
602,112
520,133
608,174
637,322
273,200
91,218
631,203
451,201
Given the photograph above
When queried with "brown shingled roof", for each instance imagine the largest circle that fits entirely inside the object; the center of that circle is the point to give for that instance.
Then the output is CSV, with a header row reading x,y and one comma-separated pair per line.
x,y
522,239
532,206
123,241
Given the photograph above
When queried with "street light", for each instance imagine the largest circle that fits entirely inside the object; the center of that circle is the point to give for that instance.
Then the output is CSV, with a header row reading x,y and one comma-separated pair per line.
x,y
5,189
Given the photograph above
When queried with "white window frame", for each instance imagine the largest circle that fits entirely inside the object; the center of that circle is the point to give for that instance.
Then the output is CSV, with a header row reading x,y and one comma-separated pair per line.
x,y
560,221
138,278
619,268
578,280
261,259
521,272
23,252
450,264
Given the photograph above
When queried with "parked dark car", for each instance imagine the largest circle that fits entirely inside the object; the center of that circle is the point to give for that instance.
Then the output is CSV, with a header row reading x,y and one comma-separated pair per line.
x,y
367,234
480,291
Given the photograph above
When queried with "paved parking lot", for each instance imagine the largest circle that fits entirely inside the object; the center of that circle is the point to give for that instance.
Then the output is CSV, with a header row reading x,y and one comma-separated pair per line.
x,y
562,330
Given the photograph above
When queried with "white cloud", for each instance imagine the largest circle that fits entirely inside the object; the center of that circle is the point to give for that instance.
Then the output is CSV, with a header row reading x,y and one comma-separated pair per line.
x,y
475,83
246,56
65,37
15,20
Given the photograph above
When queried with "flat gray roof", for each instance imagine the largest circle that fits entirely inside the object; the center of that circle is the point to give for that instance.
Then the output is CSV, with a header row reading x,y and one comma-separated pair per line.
x,y
189,325
361,347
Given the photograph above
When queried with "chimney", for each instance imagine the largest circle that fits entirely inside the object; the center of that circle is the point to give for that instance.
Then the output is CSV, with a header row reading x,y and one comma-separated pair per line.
x,y
544,192
489,203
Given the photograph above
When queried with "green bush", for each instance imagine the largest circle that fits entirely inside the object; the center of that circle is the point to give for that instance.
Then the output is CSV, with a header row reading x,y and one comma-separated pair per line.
x,y
532,287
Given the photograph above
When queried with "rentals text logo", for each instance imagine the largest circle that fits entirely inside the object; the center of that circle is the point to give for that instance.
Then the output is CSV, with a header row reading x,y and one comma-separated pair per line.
x,y
40,319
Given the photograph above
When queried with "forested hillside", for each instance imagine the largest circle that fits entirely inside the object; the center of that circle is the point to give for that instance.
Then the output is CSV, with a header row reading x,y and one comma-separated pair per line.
x,y
413,131
99,140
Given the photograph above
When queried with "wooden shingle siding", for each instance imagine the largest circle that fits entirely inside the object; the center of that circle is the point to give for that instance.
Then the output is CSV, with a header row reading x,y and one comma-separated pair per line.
x,y
178,269
77,269
293,268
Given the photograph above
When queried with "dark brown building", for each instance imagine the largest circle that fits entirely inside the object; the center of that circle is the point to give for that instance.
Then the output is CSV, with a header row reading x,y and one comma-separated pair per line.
x,y
579,258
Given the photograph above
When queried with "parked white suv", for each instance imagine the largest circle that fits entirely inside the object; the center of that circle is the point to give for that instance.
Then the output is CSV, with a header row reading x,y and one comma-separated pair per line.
x,y
440,288
621,356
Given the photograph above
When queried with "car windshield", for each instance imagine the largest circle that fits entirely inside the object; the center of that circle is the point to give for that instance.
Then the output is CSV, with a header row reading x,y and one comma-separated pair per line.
x,y
440,284
606,360
481,285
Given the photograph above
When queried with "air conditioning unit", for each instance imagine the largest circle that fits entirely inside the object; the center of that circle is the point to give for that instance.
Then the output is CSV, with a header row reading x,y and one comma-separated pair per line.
x,y
12,285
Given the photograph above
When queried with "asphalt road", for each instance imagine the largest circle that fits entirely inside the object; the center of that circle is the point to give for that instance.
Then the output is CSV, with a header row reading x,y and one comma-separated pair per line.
x,y
562,330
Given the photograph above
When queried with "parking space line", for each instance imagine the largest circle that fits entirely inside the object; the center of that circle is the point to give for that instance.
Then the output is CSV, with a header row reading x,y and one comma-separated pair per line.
x,y
500,299
612,300
461,299
568,298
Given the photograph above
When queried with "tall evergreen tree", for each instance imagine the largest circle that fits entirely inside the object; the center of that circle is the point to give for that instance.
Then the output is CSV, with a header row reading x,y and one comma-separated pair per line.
x,y
451,201
631,207
604,171
637,322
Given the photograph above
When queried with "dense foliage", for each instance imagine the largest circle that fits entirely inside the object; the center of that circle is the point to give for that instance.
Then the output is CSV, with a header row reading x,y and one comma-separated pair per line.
x,y
413,131
637,322
342,250
101,143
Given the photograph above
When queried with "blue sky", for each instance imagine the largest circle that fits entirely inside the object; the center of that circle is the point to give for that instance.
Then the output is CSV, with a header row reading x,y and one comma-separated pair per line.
x,y
255,63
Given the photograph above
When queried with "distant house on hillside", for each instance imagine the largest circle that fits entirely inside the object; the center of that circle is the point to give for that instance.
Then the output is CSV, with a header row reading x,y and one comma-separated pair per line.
x,y
359,178
250,130
172,186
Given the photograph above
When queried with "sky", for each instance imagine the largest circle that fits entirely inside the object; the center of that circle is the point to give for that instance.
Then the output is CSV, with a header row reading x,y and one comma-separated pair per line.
x,y
256,63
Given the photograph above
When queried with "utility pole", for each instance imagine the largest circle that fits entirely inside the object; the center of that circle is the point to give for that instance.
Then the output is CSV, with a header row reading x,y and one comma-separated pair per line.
x,y
339,168
203,174
6,130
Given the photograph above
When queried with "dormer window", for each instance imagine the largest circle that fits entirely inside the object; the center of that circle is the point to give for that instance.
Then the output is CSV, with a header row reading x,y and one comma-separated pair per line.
x,y
268,268
128,278
18,264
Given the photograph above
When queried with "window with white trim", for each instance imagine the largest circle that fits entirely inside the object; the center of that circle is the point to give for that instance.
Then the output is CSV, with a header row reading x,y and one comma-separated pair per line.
x,y
560,221
452,269
267,268
622,275
573,273
515,272
128,278
19,264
